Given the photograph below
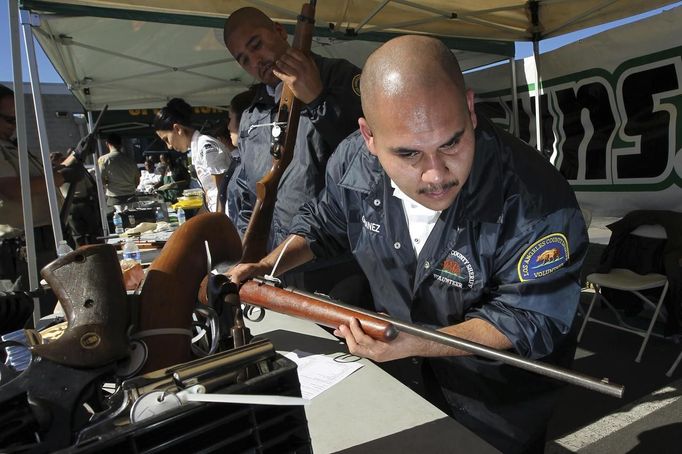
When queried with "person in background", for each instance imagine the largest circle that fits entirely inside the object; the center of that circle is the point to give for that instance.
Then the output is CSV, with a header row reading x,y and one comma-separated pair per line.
x,y
148,178
13,267
450,218
223,135
120,174
174,180
238,105
81,201
328,91
173,124
13,262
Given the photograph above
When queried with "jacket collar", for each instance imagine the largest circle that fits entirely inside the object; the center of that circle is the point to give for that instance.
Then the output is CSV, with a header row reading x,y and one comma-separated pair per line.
x,y
363,173
483,194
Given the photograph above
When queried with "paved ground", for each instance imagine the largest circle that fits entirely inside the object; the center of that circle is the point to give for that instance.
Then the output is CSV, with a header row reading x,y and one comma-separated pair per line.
x,y
649,417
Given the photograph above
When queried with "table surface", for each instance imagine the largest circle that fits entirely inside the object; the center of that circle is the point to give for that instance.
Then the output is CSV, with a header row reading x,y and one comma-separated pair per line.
x,y
369,410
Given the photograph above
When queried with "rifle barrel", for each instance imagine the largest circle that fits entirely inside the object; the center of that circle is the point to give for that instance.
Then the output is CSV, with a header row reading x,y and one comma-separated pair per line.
x,y
575,378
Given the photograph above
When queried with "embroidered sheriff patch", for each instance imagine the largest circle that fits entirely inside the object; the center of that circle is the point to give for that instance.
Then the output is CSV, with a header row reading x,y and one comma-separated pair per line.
x,y
543,257
456,271
355,83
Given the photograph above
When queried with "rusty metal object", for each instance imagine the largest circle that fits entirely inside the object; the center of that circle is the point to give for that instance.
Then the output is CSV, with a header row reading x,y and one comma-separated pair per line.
x,y
89,284
169,292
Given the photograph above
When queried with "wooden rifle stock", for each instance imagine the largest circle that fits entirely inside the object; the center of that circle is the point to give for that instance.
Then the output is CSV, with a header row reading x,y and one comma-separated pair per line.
x,y
289,301
169,292
255,241
297,304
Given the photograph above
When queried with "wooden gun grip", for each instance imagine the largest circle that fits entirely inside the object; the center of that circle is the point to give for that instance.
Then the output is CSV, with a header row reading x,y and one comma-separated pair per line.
x,y
300,306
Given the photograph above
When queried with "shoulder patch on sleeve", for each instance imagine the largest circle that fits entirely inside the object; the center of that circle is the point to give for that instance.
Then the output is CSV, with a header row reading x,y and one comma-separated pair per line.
x,y
543,257
355,83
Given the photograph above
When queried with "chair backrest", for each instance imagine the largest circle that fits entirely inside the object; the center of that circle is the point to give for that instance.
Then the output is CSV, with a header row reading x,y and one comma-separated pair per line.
x,y
587,216
650,231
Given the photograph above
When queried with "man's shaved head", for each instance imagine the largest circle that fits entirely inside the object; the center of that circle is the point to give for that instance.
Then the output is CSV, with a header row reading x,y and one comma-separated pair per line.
x,y
407,64
247,16
419,120
256,42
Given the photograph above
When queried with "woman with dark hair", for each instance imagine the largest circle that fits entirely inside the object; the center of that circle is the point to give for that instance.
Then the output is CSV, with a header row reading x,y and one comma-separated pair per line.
x,y
210,159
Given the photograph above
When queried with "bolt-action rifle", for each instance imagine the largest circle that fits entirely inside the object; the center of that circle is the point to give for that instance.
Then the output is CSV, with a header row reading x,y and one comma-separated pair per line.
x,y
325,311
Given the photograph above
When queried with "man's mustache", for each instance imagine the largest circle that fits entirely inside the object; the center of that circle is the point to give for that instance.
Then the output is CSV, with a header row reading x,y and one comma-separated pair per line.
x,y
437,187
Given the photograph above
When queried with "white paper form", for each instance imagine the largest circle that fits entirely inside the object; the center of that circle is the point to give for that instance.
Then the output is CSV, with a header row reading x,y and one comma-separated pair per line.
x,y
317,373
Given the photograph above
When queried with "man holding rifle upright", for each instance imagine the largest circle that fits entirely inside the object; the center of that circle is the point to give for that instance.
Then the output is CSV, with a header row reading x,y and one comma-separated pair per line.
x,y
459,226
329,91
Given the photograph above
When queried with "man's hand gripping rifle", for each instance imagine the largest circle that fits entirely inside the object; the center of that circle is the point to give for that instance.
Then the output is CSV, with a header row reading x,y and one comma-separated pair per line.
x,y
325,311
284,131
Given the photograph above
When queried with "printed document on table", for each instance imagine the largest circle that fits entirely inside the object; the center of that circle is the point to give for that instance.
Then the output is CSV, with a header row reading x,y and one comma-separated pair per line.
x,y
318,373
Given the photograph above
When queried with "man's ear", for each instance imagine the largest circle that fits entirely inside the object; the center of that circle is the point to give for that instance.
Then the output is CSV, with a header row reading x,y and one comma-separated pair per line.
x,y
281,31
367,135
470,106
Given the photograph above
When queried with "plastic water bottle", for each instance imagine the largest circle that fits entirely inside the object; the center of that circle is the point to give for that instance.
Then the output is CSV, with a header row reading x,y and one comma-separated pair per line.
x,y
118,223
181,216
63,248
159,215
131,251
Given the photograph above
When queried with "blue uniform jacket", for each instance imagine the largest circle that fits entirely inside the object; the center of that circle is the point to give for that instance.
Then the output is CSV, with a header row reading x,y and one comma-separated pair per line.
x,y
509,250
324,123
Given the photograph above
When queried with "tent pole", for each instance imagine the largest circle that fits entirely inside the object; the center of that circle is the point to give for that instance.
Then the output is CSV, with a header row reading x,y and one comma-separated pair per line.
x,y
515,98
538,82
98,179
22,147
26,18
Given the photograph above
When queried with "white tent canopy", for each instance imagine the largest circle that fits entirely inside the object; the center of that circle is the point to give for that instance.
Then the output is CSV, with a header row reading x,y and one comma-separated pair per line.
x,y
136,64
140,54
509,20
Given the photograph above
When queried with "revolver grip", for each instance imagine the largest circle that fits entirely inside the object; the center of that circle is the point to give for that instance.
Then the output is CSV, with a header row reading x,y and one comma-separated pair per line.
x,y
89,284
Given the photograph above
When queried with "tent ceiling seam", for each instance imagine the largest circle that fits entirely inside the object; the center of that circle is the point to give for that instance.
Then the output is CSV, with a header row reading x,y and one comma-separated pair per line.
x,y
148,62
399,25
490,24
372,13
579,17
68,65
424,8
485,12
119,55
287,12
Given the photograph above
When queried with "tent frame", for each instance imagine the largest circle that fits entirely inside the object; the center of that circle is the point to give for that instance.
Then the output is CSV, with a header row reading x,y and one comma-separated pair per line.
x,y
22,147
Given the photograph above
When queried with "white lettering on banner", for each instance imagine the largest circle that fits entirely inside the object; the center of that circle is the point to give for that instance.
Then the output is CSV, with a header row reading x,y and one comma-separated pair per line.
x,y
604,134
611,114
